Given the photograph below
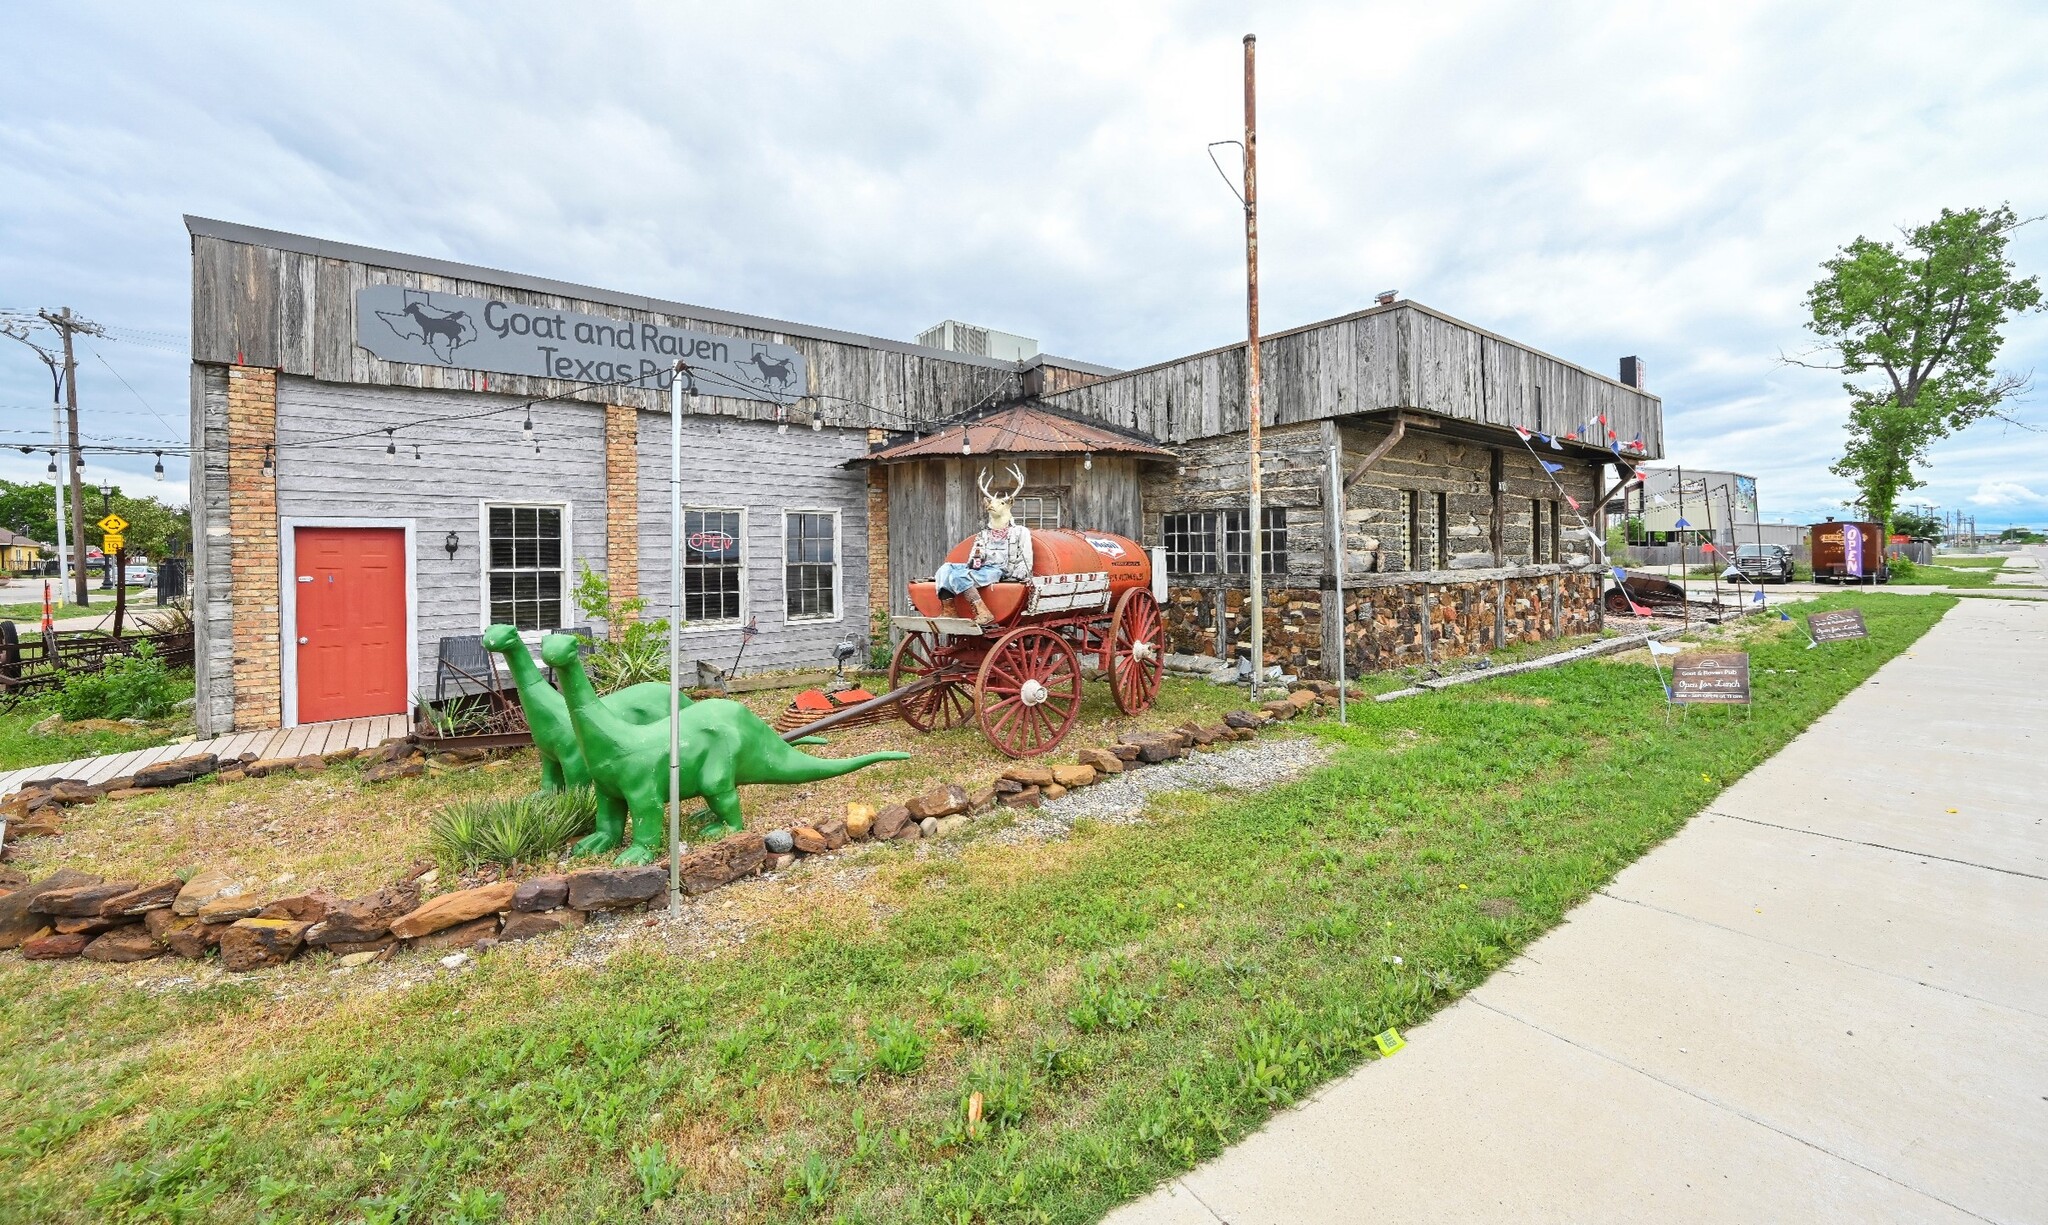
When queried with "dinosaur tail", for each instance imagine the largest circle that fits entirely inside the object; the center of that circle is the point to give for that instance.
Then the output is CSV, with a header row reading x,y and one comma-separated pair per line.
x,y
800,767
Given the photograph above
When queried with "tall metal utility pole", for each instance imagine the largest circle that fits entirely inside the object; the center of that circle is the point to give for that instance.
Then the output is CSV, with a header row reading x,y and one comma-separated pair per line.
x,y
1251,381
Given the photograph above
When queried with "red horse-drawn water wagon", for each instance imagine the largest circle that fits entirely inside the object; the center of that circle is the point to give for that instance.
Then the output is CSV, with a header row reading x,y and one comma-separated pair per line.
x,y
1089,598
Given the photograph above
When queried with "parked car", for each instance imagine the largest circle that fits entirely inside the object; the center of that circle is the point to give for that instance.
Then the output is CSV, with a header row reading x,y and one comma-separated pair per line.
x,y
139,576
1761,563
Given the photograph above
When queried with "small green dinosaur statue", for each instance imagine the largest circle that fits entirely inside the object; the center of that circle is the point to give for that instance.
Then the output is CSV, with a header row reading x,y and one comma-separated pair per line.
x,y
723,746
561,758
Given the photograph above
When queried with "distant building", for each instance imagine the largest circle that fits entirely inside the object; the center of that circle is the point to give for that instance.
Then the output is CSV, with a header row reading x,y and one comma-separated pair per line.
x,y
19,554
1688,503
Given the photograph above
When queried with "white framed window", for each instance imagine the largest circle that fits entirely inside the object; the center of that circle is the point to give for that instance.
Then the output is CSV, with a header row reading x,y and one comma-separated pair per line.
x,y
714,565
810,565
1039,509
526,563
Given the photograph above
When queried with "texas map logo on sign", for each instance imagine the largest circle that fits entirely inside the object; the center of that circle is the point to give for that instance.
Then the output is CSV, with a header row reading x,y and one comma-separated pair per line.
x,y
442,332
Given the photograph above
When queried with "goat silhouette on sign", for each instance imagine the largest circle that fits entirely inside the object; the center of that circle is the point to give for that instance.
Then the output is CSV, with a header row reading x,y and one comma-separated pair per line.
x,y
780,373
442,334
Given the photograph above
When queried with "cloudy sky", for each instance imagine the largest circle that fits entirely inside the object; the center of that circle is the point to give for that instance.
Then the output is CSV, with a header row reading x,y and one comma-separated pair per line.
x,y
1595,180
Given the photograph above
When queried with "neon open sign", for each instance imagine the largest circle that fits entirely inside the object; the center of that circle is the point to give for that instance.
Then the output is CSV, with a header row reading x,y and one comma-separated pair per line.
x,y
710,542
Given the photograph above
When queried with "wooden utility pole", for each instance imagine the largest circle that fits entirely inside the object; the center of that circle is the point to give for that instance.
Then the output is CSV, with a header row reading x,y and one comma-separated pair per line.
x,y
67,323
1251,388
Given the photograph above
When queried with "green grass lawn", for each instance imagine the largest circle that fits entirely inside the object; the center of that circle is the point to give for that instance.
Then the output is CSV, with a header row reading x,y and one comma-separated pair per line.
x,y
1973,572
1126,1002
21,745
31,614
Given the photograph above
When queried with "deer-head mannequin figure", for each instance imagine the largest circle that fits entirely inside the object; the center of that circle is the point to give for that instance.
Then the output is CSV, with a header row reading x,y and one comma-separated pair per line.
x,y
998,504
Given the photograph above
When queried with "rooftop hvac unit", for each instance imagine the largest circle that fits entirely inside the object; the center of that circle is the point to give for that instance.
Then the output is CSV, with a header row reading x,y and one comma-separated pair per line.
x,y
956,337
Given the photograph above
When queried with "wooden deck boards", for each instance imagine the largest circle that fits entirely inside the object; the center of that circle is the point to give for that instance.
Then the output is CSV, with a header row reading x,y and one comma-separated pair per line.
x,y
299,741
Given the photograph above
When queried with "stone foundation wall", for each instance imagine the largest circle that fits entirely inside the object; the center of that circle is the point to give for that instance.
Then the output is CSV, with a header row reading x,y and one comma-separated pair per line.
x,y
1400,625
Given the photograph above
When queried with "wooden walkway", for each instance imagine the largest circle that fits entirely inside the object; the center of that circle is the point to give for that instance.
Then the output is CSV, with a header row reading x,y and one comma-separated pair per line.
x,y
284,742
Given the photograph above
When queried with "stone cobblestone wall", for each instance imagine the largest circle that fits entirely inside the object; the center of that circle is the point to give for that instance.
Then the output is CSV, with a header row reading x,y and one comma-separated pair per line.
x,y
252,524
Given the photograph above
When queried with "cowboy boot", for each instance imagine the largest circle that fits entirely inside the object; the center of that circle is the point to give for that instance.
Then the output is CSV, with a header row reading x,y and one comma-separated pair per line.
x,y
982,616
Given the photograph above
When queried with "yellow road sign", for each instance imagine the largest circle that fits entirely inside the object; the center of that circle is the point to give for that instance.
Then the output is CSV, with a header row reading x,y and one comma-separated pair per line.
x,y
113,542
114,524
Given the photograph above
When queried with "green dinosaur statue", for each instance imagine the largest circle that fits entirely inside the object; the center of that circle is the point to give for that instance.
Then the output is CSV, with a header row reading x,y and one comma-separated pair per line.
x,y
561,758
723,746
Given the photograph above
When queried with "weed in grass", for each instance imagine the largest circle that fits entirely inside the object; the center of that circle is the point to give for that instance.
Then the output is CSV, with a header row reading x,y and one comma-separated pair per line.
x,y
1107,1002
811,1184
657,1175
1058,1061
899,1048
966,1020
476,1206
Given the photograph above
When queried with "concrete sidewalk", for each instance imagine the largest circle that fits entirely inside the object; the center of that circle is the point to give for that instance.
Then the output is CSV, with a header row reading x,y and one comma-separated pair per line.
x,y
1826,999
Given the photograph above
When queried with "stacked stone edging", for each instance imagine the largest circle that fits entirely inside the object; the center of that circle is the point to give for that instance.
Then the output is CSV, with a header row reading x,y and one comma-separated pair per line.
x,y
72,914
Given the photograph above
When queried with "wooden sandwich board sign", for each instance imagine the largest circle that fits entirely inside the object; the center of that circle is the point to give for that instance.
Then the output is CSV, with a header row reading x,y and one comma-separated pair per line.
x,y
1702,677
1836,626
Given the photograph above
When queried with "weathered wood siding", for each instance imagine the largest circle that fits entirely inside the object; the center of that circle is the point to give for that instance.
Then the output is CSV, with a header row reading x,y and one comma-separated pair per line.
x,y
212,553
461,467
295,311
751,467
1399,356
934,504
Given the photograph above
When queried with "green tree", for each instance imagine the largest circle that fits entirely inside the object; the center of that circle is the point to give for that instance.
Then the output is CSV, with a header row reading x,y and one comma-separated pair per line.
x,y
1919,524
1916,327
29,507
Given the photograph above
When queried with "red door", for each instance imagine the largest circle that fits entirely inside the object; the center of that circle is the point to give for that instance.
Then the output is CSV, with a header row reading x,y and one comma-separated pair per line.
x,y
350,585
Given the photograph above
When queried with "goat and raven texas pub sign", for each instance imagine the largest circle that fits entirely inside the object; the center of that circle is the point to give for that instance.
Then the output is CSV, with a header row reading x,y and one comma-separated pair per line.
x,y
437,329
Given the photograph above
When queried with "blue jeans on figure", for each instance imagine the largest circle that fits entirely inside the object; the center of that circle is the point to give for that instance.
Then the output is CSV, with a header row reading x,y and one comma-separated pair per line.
x,y
954,577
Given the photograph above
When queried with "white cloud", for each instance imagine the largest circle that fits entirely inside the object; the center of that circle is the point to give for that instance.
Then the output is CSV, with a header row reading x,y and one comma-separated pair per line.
x,y
2002,493
1597,181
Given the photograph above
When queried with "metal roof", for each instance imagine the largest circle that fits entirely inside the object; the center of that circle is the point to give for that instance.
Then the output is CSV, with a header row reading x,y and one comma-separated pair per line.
x,y
1026,428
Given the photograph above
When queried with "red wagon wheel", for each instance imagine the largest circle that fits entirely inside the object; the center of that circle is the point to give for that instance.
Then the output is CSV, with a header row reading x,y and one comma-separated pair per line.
x,y
1134,651
1030,691
945,705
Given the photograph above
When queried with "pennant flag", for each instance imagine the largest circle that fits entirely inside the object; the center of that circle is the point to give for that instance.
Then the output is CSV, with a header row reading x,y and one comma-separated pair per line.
x,y
1574,501
1619,577
1661,648
1550,467
1811,645
1667,693
1636,443
1784,616
1521,433
1603,418
1555,445
1658,500
1707,546
1681,524
1638,609
1758,598
1612,434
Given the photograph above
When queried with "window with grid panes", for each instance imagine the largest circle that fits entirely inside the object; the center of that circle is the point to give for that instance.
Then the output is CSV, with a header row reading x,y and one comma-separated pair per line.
x,y
713,579
1190,540
525,552
1237,537
1411,518
810,571
1536,537
1037,510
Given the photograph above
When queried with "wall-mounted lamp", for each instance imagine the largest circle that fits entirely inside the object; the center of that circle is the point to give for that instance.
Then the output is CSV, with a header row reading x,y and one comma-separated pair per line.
x,y
452,544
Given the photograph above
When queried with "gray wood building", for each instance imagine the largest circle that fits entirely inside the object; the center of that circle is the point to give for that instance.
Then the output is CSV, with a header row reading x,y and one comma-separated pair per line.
x,y
391,451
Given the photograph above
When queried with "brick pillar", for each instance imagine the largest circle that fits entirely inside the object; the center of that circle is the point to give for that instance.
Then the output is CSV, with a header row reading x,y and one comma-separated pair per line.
x,y
621,508
253,572
878,540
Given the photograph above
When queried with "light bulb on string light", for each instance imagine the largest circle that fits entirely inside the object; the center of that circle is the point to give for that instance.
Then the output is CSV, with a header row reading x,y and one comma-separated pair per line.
x,y
159,465
416,453
528,427
390,442
1087,459
269,462
965,449
53,465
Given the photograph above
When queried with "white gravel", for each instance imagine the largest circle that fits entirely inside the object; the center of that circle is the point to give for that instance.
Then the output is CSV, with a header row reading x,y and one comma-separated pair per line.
x,y
1245,766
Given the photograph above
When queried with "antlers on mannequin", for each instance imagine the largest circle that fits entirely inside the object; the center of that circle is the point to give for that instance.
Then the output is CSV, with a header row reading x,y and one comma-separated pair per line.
x,y
991,498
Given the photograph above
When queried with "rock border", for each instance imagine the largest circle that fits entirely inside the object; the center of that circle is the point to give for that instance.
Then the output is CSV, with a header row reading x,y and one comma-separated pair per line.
x,y
71,914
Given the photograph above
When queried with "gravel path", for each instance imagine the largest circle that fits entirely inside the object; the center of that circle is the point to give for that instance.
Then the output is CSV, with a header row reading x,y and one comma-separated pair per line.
x,y
1121,800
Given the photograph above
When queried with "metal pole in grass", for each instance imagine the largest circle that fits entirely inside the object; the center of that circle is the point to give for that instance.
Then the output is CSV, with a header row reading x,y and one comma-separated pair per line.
x,y
1337,571
675,646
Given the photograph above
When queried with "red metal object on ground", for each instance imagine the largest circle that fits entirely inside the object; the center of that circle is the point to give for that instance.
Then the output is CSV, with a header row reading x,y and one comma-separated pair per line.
x,y
1020,678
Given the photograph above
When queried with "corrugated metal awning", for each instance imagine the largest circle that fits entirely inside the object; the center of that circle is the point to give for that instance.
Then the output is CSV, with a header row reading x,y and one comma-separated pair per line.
x,y
1021,429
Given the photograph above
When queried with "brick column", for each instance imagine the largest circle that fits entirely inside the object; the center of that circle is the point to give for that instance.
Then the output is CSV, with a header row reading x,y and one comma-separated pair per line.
x,y
253,572
878,541
621,508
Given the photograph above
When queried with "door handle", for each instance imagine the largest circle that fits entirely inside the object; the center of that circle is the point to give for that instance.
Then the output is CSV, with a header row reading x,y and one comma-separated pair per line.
x,y
303,641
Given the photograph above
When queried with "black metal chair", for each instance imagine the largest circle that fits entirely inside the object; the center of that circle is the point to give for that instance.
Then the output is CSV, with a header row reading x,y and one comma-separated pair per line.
x,y
464,661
